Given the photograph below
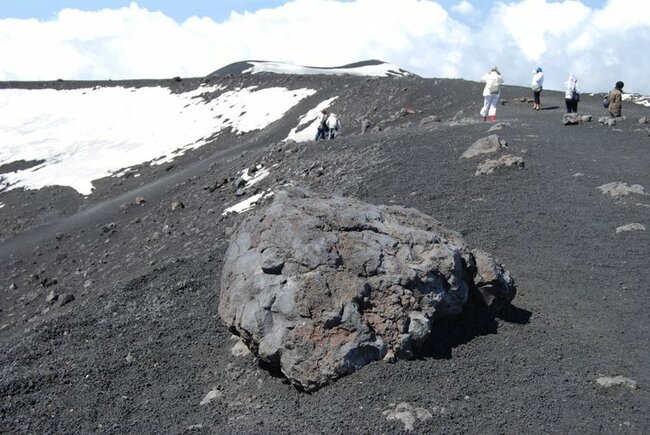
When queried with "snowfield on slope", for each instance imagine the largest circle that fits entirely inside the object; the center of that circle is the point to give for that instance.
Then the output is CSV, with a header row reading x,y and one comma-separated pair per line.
x,y
86,134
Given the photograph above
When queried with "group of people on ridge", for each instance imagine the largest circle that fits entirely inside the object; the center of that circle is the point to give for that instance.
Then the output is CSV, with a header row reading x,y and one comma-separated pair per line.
x,y
492,92
328,125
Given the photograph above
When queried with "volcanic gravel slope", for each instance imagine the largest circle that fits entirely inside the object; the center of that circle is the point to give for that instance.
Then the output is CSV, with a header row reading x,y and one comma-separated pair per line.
x,y
130,340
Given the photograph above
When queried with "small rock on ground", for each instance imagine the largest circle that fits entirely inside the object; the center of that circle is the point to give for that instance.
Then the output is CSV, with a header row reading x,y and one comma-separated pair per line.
x,y
615,381
630,227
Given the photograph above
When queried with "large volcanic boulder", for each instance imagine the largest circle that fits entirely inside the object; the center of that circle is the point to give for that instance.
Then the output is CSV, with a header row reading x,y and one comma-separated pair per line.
x,y
321,285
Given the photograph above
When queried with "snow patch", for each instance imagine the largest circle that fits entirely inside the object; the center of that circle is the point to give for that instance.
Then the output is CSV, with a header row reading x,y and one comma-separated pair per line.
x,y
378,70
642,100
247,204
1,205
86,134
260,174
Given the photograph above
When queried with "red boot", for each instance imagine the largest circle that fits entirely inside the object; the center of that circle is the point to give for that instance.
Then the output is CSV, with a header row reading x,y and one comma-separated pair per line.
x,y
493,117
484,118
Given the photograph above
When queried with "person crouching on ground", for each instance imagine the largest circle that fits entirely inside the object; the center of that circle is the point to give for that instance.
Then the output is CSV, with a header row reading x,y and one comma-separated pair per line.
x,y
333,125
537,85
491,93
571,94
616,100
321,132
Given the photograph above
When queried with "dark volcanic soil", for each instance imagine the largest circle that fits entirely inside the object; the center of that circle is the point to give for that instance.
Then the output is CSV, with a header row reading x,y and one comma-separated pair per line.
x,y
108,309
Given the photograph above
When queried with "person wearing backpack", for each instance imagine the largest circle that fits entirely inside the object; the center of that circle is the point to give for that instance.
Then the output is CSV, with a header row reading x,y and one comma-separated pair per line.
x,y
321,125
571,94
616,100
491,93
333,125
537,85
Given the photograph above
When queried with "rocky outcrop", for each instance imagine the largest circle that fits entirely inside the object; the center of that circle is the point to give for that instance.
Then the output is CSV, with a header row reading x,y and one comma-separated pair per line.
x,y
321,285
575,119
506,161
486,145
618,189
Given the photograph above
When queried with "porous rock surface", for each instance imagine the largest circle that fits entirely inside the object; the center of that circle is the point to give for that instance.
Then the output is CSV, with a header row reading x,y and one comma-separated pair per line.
x,y
505,161
321,285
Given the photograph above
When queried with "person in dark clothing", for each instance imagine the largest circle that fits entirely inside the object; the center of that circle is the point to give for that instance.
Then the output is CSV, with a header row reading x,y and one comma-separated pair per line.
x,y
616,100
322,130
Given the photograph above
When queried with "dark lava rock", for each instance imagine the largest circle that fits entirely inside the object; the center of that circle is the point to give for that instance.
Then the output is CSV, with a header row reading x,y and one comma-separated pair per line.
x,y
321,285
65,299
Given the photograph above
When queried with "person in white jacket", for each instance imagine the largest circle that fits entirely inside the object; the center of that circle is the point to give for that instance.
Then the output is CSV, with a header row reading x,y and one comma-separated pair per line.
x,y
537,84
571,94
491,93
333,125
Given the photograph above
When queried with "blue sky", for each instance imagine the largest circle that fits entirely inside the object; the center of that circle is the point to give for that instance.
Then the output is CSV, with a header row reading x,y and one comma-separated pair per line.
x,y
180,10
601,41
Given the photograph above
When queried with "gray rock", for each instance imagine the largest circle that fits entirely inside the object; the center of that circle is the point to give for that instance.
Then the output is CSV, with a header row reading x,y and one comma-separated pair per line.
x,y
571,119
212,395
139,200
630,227
109,228
498,126
51,297
65,299
408,414
322,285
616,381
430,120
605,120
177,205
586,118
618,189
365,125
643,120
486,145
506,161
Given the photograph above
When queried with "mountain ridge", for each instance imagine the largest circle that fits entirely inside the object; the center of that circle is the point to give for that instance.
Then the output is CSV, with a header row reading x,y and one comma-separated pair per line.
x,y
109,301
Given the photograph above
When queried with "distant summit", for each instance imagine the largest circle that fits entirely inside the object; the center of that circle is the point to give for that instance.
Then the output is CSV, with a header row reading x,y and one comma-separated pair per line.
x,y
370,68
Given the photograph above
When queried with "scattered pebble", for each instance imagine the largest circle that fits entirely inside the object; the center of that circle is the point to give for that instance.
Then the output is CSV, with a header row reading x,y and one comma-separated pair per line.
x,y
407,414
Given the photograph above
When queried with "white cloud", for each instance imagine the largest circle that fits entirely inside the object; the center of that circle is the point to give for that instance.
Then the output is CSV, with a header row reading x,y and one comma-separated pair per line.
x,y
464,8
599,45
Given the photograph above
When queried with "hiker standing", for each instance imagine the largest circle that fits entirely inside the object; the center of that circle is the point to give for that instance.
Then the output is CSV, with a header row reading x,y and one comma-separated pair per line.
x,y
333,125
616,100
537,85
571,94
491,93
321,125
